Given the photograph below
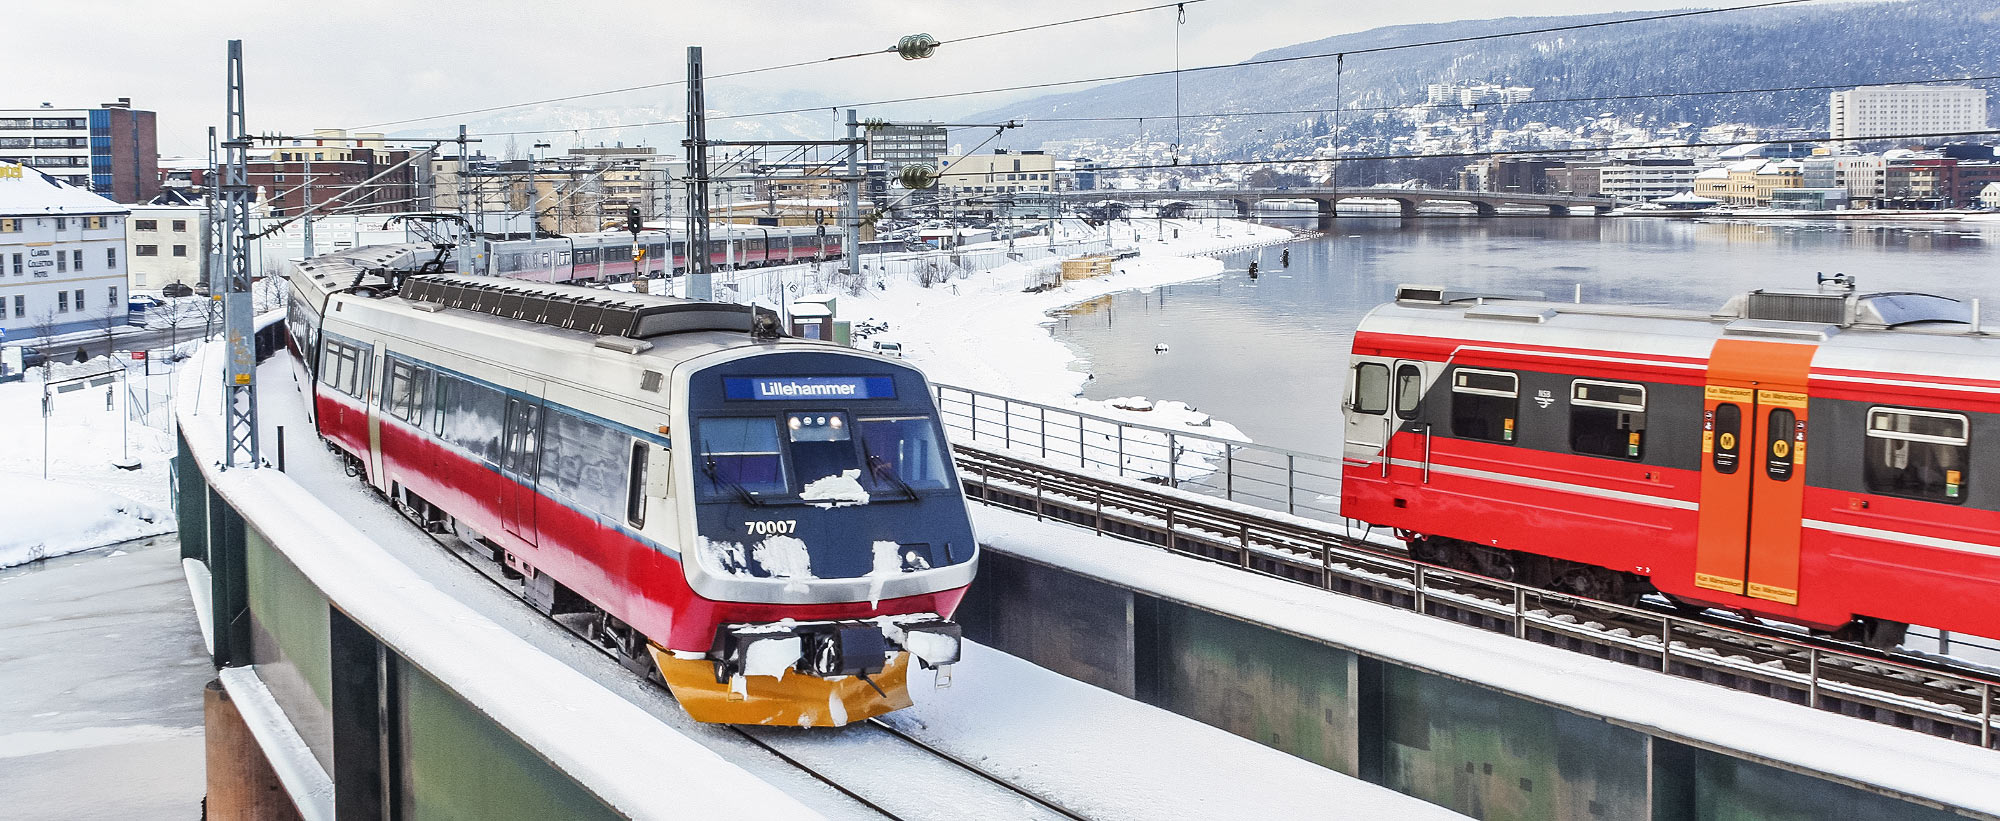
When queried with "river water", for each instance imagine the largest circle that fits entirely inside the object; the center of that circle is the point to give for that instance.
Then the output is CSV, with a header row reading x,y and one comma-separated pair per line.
x,y
1270,355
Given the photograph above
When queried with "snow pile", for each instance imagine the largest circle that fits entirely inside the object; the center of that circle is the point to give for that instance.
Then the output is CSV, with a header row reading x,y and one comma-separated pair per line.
x,y
46,519
839,490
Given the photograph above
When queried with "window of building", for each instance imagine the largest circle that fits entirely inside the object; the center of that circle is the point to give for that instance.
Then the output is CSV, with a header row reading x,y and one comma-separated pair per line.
x,y
62,262
20,306
112,298
76,259
1484,404
180,250
1371,388
93,223
1607,419
1917,453
79,299
61,223
145,250
62,302
17,265
180,226
9,226
111,259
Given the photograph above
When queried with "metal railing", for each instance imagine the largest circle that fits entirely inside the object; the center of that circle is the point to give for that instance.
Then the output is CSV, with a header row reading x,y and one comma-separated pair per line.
x,y
1276,479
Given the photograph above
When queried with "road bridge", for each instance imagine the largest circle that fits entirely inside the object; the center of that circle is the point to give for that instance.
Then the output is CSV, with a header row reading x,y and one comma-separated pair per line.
x,y
1328,198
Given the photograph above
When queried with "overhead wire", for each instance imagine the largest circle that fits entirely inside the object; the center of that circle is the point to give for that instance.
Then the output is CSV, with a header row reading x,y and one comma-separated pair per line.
x,y
763,69
1214,67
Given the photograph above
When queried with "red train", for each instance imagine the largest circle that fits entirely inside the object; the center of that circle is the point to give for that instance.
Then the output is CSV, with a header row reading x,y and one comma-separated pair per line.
x,y
1613,451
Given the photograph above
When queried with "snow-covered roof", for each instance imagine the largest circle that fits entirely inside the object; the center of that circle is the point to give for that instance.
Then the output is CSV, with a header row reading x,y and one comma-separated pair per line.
x,y
1687,198
1747,165
24,190
1716,173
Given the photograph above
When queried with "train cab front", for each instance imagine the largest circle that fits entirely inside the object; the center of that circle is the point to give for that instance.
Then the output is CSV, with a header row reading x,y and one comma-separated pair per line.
x,y
830,540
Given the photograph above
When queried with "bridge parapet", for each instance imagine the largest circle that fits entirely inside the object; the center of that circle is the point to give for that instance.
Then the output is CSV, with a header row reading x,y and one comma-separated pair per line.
x,y
361,681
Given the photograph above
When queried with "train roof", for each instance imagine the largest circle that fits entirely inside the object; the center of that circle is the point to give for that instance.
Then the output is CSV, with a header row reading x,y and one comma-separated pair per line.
x,y
1896,332
341,270
591,310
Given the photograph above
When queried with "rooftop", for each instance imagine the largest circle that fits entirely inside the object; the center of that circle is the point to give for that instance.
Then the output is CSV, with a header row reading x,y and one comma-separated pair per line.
x,y
24,190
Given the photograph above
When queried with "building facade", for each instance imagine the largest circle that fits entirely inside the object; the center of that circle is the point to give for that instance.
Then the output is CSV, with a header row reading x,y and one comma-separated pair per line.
x,y
1646,182
1882,111
63,252
112,150
986,182
896,146
337,161
164,244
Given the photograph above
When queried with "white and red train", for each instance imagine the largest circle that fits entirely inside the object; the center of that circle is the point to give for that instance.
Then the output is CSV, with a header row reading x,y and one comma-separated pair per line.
x,y
772,524
1612,451
608,256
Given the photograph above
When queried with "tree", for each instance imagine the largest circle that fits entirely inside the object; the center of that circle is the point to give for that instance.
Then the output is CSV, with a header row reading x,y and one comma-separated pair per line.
x,y
45,327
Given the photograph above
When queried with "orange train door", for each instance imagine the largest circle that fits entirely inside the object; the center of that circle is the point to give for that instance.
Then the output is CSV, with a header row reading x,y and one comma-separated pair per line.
x,y
1753,446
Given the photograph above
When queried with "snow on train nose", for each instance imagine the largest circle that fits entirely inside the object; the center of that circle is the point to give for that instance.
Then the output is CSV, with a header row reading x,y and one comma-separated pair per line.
x,y
810,674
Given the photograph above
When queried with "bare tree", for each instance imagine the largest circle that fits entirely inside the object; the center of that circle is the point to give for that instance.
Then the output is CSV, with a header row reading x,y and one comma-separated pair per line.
x,y
45,327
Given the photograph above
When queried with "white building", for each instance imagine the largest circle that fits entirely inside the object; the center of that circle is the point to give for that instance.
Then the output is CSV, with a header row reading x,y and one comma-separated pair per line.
x,y
62,256
1645,183
1989,197
164,244
1882,111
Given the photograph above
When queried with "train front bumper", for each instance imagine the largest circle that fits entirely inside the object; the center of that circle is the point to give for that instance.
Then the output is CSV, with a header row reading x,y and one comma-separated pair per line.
x,y
810,674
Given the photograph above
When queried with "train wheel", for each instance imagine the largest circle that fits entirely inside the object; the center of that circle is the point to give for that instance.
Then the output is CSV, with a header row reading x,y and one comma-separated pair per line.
x,y
1880,634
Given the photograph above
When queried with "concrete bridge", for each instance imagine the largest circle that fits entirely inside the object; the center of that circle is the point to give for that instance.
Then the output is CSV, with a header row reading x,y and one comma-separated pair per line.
x,y
1486,203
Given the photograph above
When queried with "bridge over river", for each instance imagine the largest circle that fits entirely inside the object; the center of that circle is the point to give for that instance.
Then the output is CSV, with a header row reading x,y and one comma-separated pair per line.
x,y
1486,203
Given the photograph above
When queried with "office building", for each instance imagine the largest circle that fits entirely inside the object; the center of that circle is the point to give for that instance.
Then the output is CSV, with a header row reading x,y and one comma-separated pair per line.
x,y
1883,111
110,150
62,256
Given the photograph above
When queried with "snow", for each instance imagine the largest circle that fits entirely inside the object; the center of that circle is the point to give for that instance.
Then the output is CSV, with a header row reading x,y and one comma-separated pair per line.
x,y
638,766
839,490
85,502
47,519
1750,726
783,557
1101,755
888,561
772,657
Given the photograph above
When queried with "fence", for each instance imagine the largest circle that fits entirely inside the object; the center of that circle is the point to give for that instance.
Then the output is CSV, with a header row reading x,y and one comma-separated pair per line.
x,y
1294,482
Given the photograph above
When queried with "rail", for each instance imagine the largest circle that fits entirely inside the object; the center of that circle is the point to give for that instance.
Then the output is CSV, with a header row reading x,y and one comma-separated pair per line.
x,y
1288,481
1934,697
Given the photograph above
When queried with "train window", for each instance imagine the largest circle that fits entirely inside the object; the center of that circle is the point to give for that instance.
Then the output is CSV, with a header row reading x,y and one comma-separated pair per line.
x,y
472,417
822,444
1779,452
1607,419
404,389
1484,404
1409,390
1371,388
635,486
740,454
902,451
584,462
341,367
1917,453
1728,440
524,425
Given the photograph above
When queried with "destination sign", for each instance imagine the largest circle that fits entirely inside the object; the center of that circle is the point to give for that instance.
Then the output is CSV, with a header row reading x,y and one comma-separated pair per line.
x,y
808,387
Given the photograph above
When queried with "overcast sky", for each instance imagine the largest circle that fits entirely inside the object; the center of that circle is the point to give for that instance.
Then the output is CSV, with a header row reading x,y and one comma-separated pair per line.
x,y
365,62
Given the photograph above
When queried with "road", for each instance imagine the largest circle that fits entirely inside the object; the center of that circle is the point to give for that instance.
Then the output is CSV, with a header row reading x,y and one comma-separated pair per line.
x,y
126,338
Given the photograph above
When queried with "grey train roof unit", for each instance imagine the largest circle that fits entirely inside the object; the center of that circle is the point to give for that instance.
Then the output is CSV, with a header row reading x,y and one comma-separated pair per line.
x,y
590,310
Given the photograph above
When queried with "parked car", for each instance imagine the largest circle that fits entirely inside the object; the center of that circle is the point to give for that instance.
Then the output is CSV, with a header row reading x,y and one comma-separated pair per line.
x,y
176,289
894,349
139,306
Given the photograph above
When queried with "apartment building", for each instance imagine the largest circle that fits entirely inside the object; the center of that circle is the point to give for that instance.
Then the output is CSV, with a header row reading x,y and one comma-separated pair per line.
x,y
110,150
62,256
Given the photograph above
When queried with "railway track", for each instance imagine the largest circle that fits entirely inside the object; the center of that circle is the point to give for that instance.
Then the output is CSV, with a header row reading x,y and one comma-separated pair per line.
x,y
795,748
1934,696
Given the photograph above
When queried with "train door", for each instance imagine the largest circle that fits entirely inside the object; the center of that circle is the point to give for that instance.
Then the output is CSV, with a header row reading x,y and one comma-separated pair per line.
x,y
1369,421
1753,470
1409,398
371,398
520,456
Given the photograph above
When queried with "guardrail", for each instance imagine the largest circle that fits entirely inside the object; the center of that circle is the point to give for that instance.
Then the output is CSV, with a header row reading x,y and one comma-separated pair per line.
x,y
1288,481
373,694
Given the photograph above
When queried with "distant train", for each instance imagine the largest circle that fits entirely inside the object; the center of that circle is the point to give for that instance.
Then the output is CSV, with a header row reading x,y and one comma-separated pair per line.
x,y
609,256
773,525
1612,451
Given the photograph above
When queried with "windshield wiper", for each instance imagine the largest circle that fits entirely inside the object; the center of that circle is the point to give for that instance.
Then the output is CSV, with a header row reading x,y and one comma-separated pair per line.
x,y
882,468
708,467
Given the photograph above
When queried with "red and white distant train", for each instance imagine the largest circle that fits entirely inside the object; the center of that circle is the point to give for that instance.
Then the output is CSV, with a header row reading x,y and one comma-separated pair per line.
x,y
772,524
1611,451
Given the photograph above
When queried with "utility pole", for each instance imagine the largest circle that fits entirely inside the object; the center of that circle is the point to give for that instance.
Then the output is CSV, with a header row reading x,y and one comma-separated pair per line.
x,y
211,242
464,212
240,366
700,283
307,156
850,220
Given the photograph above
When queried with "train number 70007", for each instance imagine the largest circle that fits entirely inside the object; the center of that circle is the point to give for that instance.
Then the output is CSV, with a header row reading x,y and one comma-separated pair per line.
x,y
784,527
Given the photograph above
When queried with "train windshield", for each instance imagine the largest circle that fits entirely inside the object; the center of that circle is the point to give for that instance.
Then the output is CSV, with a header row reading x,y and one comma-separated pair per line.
x,y
750,458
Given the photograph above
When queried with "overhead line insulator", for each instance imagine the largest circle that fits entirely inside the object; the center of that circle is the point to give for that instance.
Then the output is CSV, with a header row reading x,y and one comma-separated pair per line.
x,y
917,46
